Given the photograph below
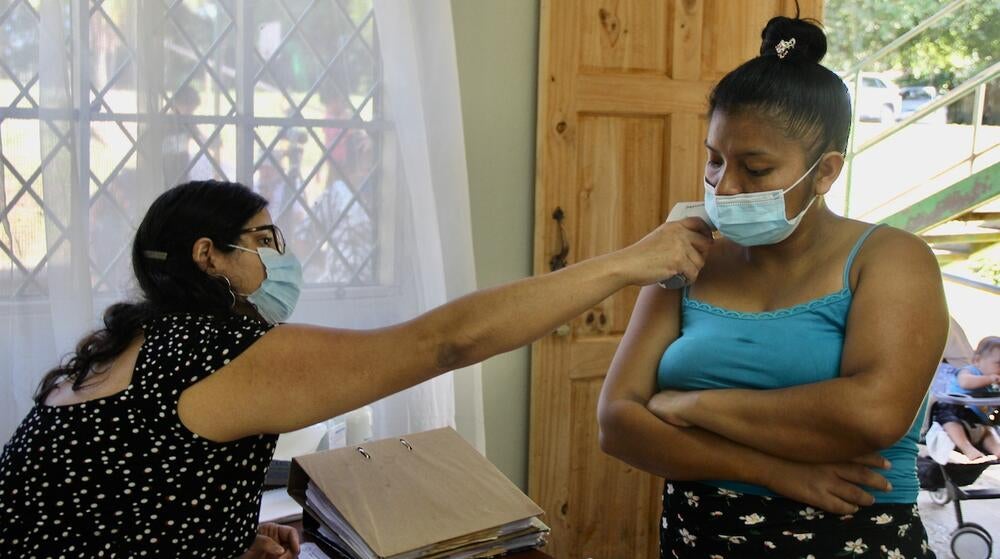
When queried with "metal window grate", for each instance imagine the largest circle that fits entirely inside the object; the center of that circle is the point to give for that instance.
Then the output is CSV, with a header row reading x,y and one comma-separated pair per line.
x,y
284,96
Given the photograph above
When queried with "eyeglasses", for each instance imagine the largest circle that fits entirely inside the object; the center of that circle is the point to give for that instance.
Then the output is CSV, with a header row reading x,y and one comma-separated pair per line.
x,y
275,240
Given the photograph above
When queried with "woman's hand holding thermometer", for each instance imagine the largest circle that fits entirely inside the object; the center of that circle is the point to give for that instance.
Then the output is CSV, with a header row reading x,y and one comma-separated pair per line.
x,y
681,211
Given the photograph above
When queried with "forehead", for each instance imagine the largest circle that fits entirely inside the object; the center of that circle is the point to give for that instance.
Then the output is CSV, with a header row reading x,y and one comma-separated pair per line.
x,y
262,217
746,131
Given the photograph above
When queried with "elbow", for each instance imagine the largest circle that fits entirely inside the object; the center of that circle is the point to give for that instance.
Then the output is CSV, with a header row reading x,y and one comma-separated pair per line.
x,y
457,346
883,431
448,356
610,428
454,352
608,443
606,439
442,340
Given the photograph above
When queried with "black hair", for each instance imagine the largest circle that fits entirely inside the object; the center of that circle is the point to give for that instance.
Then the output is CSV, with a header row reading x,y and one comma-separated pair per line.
x,y
187,96
787,83
168,278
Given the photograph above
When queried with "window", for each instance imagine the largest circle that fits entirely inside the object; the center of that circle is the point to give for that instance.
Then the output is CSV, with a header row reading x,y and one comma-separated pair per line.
x,y
920,94
284,96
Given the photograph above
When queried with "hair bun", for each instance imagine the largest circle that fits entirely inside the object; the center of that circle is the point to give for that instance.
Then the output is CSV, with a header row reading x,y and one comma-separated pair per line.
x,y
809,39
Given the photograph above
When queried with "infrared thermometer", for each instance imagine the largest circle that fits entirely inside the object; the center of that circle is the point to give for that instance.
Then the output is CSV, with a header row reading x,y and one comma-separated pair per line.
x,y
681,211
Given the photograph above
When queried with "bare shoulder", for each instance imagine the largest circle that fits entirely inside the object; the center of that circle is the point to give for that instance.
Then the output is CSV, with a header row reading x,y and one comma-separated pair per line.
x,y
893,261
655,300
888,247
899,317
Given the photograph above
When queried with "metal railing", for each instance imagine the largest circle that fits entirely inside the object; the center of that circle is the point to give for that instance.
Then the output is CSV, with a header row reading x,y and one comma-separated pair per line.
x,y
977,83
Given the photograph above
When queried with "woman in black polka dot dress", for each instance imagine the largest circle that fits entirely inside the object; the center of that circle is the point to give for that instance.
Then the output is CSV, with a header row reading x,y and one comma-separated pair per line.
x,y
153,438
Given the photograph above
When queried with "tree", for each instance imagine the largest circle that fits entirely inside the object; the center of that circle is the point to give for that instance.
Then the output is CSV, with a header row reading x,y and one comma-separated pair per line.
x,y
945,55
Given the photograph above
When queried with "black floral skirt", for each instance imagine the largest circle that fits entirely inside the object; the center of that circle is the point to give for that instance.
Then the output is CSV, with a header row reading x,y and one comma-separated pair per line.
x,y
707,522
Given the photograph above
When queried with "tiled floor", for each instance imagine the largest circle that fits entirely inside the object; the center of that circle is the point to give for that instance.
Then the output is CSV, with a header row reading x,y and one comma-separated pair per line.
x,y
940,519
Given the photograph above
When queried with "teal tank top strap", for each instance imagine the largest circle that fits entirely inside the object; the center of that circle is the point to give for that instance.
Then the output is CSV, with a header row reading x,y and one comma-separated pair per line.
x,y
854,252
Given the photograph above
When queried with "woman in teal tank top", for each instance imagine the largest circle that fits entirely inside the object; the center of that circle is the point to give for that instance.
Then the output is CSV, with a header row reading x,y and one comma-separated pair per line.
x,y
781,393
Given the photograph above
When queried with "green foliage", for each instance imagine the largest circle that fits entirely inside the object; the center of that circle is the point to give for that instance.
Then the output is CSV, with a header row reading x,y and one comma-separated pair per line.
x,y
945,55
988,270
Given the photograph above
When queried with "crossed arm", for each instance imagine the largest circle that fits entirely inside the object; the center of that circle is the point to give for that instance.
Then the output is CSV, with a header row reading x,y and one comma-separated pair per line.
x,y
630,432
666,450
896,332
816,443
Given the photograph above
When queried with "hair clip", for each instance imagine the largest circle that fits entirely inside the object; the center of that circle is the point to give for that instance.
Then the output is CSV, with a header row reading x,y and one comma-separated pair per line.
x,y
155,255
783,47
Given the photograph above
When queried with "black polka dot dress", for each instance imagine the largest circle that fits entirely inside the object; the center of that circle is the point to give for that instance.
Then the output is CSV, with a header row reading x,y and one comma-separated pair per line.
x,y
122,477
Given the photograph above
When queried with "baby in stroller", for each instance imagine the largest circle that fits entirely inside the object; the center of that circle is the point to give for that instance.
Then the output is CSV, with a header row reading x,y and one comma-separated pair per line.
x,y
962,409
971,427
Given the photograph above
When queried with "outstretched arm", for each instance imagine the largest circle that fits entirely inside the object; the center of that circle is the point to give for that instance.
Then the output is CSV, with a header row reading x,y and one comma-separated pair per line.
x,y
896,332
298,375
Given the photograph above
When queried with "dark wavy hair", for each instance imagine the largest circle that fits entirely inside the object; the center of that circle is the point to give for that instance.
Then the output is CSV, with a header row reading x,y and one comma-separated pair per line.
x,y
168,278
810,102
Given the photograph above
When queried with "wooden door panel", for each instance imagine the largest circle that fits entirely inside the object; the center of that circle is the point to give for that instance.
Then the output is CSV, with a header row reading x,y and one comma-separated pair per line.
x,y
731,30
640,94
619,200
736,26
624,35
606,495
686,37
685,159
725,21
590,357
549,448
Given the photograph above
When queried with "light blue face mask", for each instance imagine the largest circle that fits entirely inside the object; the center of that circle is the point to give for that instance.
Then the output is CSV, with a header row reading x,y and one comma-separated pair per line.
x,y
754,218
278,294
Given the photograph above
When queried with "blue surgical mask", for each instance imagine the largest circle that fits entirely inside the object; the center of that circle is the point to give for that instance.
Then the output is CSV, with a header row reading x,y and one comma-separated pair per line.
x,y
754,218
277,295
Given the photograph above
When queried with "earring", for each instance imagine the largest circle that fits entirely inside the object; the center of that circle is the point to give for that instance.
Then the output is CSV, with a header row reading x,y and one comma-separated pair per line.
x,y
229,287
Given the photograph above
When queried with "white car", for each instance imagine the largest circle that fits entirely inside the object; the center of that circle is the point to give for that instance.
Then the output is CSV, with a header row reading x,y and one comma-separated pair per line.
x,y
915,97
879,99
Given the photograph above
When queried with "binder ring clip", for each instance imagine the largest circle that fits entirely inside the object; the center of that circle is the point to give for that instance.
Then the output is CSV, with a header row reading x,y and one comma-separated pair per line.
x,y
407,444
364,452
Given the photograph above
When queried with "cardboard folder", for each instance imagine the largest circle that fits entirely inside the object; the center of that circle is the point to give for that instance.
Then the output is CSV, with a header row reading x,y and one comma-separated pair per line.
x,y
407,493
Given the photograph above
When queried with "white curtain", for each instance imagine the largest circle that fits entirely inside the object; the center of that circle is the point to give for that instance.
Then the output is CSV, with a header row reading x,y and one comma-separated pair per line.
x,y
344,114
423,101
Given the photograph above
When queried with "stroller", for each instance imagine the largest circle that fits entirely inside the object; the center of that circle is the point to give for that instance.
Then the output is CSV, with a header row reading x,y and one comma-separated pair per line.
x,y
946,483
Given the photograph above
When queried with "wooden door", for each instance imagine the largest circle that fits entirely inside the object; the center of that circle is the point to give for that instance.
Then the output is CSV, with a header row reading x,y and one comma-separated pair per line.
x,y
623,88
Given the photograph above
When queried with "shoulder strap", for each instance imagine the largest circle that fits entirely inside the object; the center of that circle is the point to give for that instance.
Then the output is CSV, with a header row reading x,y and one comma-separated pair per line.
x,y
854,252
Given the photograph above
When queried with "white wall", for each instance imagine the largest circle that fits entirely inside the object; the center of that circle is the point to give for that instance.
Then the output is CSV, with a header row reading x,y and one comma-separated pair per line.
x,y
497,46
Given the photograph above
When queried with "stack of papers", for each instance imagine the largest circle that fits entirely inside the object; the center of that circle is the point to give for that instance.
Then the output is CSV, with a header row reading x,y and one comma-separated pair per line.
x,y
310,550
334,531
424,496
276,505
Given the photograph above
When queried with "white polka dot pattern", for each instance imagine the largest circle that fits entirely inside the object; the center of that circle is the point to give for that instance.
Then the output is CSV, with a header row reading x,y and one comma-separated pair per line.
x,y
122,477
